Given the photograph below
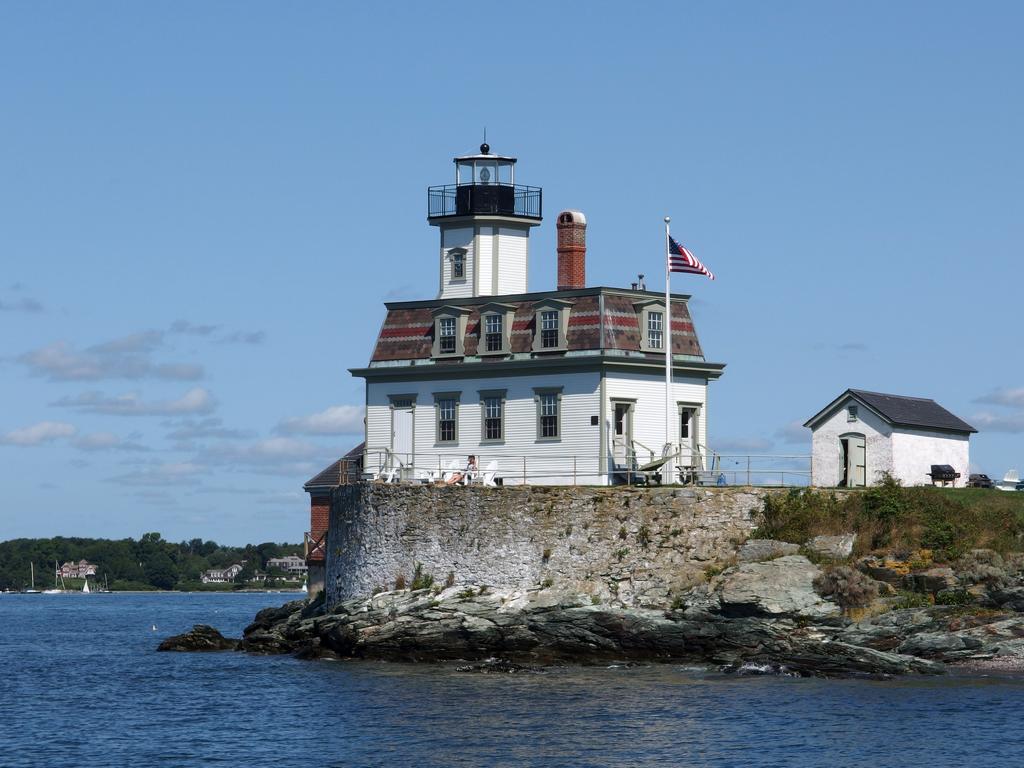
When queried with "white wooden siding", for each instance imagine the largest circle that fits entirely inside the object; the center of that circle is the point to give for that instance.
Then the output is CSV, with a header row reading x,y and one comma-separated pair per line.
x,y
485,262
573,458
456,238
513,249
648,392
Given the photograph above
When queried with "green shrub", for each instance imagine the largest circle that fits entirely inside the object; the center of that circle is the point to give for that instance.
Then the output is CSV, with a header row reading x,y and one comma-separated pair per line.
x,y
911,600
643,536
954,597
948,521
847,586
421,580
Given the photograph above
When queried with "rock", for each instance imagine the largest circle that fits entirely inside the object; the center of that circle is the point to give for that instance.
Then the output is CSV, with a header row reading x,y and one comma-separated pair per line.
x,y
886,569
506,631
1008,598
780,587
833,547
201,637
755,550
932,581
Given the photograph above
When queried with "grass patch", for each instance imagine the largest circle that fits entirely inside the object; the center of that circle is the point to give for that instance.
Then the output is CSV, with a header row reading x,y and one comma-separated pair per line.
x,y
947,521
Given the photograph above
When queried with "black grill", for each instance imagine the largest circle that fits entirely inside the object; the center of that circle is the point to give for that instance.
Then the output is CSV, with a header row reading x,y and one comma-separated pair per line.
x,y
943,473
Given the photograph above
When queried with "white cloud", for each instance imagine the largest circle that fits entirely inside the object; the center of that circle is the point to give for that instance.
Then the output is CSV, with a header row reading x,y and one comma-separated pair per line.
x,y
336,420
196,401
23,304
998,422
244,337
275,455
106,441
166,474
127,357
1009,396
793,432
191,429
192,329
37,434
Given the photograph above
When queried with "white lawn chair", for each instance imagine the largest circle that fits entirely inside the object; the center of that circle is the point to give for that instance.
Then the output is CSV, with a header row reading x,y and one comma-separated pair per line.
x,y
489,472
453,469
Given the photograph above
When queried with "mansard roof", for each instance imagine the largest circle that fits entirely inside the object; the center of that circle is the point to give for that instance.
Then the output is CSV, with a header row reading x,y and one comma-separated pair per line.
x,y
600,320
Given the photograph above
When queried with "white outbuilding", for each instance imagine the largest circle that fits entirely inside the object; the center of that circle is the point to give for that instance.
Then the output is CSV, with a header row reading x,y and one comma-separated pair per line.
x,y
861,436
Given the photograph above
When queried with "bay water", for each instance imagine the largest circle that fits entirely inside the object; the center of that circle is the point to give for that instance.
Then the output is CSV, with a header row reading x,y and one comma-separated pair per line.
x,y
82,685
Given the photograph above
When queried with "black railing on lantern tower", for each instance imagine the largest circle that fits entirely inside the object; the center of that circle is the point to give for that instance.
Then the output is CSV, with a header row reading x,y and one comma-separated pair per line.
x,y
476,199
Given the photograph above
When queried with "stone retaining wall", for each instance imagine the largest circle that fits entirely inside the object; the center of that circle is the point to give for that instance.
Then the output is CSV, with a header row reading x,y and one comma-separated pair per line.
x,y
622,545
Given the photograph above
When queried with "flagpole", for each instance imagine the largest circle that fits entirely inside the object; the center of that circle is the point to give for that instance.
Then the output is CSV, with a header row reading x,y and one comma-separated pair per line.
x,y
668,353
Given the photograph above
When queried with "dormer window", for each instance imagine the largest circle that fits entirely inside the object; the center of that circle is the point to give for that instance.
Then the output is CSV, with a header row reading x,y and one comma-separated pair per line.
x,y
449,331
656,330
550,320
493,334
446,335
653,325
495,324
548,328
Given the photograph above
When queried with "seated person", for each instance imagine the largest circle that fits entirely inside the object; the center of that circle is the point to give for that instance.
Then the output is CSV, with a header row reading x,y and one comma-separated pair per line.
x,y
465,475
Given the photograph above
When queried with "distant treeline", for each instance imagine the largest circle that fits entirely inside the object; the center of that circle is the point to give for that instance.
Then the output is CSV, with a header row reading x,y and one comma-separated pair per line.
x,y
149,563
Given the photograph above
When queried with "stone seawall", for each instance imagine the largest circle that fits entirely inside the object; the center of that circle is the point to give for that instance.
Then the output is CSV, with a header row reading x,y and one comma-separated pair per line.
x,y
628,546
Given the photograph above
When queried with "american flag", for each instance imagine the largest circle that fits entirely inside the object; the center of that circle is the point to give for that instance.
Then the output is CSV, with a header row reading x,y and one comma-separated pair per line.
x,y
681,260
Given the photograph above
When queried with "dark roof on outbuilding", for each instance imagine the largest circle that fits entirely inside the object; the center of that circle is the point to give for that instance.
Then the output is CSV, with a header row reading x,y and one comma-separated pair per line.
x,y
331,475
900,411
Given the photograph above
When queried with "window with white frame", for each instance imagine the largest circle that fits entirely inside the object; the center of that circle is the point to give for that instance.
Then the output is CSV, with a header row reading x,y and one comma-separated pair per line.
x,y
494,334
447,406
549,328
656,330
549,407
447,335
458,265
493,412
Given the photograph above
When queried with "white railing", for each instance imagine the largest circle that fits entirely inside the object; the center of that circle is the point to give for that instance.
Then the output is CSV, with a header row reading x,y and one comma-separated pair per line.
x,y
703,467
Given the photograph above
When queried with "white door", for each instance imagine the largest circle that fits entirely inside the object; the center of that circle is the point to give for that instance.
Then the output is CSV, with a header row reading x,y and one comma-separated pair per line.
x,y
622,433
687,436
401,434
854,457
857,469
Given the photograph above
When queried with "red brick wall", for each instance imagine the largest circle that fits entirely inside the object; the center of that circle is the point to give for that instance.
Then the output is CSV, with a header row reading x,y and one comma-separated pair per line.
x,y
319,515
572,251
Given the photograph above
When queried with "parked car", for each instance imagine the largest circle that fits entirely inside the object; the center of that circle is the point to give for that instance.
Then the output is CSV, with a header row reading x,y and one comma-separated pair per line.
x,y
1020,486
980,481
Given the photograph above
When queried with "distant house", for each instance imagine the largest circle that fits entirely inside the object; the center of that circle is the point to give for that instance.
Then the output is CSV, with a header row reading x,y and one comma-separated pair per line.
x,y
291,564
221,576
861,436
79,570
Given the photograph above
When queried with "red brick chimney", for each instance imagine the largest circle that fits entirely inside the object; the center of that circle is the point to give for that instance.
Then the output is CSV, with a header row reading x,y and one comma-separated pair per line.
x,y
572,250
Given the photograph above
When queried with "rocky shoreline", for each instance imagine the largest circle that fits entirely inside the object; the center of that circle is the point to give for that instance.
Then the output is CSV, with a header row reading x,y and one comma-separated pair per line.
x,y
773,611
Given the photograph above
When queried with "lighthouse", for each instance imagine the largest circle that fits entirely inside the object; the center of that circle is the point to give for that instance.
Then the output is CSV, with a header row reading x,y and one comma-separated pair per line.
x,y
484,219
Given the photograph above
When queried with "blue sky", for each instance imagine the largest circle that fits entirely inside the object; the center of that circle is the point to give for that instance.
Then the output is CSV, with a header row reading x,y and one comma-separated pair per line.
x,y
204,205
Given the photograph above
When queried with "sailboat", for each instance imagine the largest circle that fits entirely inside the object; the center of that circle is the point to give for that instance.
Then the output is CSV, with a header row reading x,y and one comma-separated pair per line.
x,y
85,587
57,579
31,590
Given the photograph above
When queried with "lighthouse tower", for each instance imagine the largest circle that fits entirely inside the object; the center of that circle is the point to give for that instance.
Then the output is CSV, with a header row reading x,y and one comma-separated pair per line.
x,y
484,220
